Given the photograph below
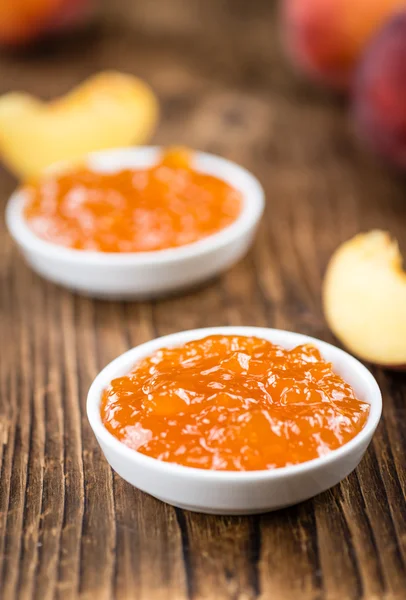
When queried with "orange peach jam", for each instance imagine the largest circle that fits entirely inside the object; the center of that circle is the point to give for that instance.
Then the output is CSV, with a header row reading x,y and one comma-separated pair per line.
x,y
133,210
233,403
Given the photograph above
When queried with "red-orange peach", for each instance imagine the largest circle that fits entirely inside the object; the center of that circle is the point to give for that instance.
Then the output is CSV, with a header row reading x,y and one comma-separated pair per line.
x,y
23,21
379,94
326,37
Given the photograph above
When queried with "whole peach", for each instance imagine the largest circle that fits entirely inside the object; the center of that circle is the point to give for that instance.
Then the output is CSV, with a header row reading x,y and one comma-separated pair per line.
x,y
379,94
326,37
24,21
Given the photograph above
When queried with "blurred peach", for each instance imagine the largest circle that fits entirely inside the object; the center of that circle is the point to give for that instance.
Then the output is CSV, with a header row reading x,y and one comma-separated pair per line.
x,y
379,94
23,21
109,110
325,38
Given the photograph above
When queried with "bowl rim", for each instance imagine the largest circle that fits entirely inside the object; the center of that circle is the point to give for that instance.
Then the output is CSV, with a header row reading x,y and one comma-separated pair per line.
x,y
123,363
253,199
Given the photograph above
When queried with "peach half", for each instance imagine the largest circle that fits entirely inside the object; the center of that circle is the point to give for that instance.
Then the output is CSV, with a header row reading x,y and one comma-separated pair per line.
x,y
364,298
108,110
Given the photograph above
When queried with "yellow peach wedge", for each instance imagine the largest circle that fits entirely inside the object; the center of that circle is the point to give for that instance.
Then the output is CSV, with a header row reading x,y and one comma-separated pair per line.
x,y
364,297
109,110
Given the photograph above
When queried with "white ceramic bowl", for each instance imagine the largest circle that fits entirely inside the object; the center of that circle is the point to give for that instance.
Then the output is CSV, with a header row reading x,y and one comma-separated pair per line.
x,y
139,275
236,492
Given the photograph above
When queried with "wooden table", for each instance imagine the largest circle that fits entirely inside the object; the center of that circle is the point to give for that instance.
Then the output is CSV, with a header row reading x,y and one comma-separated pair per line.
x,y
69,527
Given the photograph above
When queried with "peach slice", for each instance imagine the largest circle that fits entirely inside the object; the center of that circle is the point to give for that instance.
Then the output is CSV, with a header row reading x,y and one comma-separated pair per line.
x,y
364,297
108,110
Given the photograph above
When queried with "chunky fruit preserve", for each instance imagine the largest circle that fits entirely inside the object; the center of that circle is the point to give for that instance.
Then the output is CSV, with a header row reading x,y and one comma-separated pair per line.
x,y
233,403
132,210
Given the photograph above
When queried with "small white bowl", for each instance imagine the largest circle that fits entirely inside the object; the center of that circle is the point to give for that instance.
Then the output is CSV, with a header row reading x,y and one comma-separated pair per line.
x,y
140,275
236,492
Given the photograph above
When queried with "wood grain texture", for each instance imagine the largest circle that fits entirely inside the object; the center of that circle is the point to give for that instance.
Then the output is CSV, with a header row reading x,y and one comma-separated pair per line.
x,y
70,528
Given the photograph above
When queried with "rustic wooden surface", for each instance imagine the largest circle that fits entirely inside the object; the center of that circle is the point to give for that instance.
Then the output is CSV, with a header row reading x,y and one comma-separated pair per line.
x,y
69,527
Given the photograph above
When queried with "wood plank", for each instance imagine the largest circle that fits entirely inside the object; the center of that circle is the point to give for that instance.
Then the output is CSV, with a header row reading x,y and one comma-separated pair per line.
x,y
70,529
